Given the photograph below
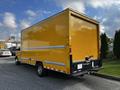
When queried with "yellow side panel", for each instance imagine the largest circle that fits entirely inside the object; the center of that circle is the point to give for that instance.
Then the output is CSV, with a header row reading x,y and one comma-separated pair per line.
x,y
83,39
48,41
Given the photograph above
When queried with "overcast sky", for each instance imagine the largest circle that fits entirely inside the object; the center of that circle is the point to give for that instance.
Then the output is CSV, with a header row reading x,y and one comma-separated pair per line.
x,y
16,15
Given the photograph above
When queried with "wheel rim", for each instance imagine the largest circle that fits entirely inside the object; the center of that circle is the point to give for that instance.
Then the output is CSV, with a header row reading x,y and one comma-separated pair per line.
x,y
39,70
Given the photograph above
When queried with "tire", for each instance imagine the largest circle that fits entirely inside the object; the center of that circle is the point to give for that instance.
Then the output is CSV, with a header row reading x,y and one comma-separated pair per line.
x,y
40,70
16,61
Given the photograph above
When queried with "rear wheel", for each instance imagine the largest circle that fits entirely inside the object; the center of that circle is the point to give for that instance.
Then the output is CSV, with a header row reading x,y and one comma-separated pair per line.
x,y
17,62
40,70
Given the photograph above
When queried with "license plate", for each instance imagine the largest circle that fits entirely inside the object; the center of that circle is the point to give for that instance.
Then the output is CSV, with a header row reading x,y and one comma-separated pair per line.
x,y
79,66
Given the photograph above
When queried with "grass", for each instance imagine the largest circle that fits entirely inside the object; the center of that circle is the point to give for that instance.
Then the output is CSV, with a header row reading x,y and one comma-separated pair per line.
x,y
111,67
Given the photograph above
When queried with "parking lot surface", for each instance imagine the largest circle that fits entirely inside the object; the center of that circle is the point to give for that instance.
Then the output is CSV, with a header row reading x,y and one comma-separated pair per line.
x,y
24,77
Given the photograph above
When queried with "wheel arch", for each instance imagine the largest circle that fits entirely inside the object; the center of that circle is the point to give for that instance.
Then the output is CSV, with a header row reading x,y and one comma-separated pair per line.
x,y
39,63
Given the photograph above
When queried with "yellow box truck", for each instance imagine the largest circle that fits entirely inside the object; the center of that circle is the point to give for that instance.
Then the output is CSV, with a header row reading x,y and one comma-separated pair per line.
x,y
2,45
66,42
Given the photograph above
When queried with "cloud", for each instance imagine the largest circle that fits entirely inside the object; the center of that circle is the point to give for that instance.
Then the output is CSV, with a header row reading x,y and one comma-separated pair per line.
x,y
102,29
104,3
24,24
109,21
102,20
31,13
9,20
45,12
97,17
1,24
3,35
8,25
75,4
112,22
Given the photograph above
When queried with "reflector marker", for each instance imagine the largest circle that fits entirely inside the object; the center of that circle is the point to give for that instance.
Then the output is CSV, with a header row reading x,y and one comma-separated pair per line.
x,y
56,63
44,66
61,71
48,68
54,69
44,47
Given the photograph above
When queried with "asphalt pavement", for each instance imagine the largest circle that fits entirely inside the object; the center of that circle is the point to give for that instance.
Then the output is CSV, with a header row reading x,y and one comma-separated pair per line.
x,y
24,77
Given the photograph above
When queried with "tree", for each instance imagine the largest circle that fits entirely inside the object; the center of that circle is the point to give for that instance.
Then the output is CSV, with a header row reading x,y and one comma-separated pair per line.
x,y
116,44
104,45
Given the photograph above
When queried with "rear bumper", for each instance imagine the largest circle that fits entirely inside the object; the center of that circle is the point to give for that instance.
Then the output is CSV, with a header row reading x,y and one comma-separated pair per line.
x,y
95,69
85,72
85,67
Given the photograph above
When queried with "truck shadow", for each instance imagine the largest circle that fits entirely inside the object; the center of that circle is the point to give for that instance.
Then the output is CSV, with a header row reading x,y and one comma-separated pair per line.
x,y
56,80
52,74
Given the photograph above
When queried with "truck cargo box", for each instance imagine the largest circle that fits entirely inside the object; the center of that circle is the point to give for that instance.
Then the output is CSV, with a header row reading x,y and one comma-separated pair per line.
x,y
67,42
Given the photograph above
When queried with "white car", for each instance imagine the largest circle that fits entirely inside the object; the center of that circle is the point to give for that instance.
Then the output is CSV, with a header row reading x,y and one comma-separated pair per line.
x,y
5,52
